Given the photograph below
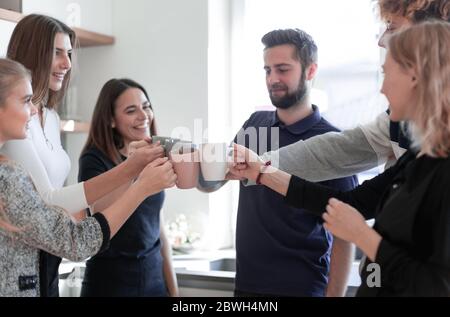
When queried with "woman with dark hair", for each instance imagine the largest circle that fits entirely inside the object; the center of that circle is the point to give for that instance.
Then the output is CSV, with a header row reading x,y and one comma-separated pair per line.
x,y
27,223
45,45
138,261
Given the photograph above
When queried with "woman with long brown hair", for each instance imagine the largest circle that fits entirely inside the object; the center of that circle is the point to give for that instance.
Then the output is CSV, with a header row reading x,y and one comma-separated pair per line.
x,y
27,223
138,261
45,46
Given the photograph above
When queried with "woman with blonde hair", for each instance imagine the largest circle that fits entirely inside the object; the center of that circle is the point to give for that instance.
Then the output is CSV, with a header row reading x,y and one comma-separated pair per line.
x,y
45,46
407,250
27,223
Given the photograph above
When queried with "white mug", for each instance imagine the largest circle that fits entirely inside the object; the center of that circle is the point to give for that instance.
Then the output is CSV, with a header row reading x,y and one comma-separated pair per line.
x,y
215,161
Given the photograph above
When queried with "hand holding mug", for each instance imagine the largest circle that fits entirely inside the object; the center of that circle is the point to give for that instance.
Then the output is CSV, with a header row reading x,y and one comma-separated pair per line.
x,y
246,163
157,176
135,145
141,153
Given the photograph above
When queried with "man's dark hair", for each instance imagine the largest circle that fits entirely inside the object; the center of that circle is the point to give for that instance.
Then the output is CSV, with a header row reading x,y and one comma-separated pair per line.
x,y
306,49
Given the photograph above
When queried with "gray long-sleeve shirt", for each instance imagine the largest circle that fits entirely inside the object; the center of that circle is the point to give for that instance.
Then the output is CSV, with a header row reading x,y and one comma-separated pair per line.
x,y
334,155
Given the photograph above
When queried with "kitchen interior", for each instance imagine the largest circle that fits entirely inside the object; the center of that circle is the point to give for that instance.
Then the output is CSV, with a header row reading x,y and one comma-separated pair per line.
x,y
201,63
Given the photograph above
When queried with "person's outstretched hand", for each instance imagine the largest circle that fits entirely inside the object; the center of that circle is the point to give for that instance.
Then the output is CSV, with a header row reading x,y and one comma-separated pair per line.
x,y
157,176
246,163
141,153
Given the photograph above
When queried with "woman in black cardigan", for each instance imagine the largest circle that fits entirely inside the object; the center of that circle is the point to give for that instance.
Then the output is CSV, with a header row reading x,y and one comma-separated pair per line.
x,y
408,249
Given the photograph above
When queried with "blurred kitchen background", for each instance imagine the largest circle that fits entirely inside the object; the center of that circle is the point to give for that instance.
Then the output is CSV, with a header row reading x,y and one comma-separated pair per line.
x,y
201,62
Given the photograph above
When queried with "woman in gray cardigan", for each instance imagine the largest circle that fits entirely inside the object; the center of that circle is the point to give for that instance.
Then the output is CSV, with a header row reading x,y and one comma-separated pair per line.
x,y
27,223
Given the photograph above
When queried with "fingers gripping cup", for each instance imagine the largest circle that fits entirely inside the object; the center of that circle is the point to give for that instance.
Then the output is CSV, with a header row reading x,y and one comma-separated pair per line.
x,y
185,161
215,161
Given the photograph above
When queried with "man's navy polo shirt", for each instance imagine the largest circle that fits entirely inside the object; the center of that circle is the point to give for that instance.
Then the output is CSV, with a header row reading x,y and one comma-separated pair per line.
x,y
282,250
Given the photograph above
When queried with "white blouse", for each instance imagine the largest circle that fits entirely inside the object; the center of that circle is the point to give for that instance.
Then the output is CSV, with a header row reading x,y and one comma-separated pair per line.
x,y
43,157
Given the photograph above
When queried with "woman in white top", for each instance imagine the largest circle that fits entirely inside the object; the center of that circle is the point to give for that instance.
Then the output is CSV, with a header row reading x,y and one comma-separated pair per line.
x,y
44,45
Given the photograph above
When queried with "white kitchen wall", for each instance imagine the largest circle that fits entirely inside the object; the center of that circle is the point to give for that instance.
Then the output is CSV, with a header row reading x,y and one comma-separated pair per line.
x,y
164,46
91,15
348,77
221,225
6,29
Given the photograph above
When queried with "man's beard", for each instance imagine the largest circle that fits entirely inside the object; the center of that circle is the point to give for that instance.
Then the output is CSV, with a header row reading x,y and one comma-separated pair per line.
x,y
292,99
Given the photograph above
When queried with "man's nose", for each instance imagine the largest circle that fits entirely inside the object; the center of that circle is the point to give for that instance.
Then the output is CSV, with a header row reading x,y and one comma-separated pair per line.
x,y
272,79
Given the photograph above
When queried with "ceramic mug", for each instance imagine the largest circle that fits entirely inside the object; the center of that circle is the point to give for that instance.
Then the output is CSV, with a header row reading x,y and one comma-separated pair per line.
x,y
185,160
215,160
167,143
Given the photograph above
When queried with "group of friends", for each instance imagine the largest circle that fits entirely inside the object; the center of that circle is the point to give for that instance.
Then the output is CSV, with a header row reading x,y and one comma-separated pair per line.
x,y
300,207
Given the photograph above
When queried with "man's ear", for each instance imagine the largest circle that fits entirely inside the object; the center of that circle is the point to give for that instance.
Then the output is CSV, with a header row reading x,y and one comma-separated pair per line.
x,y
311,71
113,124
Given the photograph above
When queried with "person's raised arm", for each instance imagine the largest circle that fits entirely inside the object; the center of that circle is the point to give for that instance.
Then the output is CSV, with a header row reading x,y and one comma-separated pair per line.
x,y
91,167
79,196
71,198
304,194
336,154
49,228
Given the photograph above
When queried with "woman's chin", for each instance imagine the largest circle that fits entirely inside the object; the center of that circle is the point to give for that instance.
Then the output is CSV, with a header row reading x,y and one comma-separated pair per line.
x,y
55,87
137,138
19,136
141,136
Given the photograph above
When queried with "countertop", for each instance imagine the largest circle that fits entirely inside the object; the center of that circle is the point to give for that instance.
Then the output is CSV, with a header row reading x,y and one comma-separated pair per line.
x,y
195,270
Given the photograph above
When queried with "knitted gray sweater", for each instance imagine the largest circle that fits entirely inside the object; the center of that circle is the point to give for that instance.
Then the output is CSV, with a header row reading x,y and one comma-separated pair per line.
x,y
42,227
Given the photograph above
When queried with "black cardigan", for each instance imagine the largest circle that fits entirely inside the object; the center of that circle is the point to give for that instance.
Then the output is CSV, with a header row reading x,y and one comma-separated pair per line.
x,y
411,206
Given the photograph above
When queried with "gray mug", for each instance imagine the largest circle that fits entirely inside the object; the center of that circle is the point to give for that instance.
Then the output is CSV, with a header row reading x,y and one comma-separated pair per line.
x,y
167,143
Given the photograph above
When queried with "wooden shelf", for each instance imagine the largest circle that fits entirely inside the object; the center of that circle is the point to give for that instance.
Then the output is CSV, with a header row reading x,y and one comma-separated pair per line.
x,y
89,38
86,38
10,16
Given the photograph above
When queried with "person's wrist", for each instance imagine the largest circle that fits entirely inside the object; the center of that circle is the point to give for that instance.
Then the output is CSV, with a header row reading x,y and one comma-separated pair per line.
x,y
131,169
262,170
139,188
360,235
369,242
255,168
